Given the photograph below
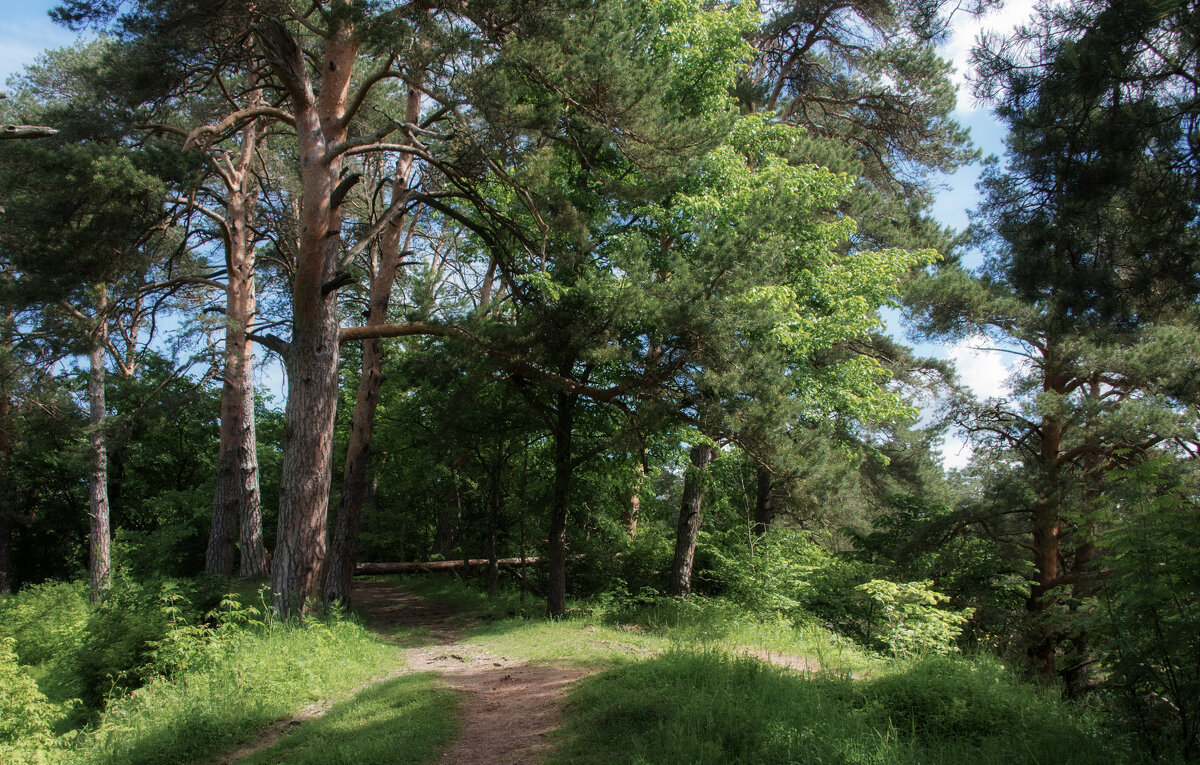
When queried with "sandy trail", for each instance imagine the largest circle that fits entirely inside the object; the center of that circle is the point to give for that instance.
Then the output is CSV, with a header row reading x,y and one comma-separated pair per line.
x,y
509,708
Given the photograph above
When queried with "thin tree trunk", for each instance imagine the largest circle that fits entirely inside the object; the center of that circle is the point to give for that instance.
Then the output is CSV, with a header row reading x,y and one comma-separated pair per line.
x,y
634,507
496,500
689,521
7,510
311,357
100,543
355,478
764,504
556,586
236,502
451,513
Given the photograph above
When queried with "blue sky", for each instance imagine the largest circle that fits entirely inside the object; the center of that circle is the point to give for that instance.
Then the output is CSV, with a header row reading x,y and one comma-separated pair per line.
x,y
26,30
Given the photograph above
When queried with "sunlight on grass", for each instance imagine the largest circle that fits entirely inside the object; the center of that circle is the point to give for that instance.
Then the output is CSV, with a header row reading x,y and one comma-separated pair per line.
x,y
406,719
265,677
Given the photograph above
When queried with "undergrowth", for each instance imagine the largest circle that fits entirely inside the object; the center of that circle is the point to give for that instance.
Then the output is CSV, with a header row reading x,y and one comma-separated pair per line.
x,y
708,706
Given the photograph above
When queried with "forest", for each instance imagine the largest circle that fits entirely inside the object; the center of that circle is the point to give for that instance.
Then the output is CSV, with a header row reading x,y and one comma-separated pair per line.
x,y
341,337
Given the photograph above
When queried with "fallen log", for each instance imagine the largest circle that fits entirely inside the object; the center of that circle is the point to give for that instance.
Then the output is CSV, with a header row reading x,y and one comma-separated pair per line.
x,y
25,131
432,566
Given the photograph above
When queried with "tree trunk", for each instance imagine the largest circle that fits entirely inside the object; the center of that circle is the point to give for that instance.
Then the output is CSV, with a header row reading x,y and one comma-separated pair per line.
x,y
496,500
1044,529
631,515
556,585
451,513
236,501
355,478
6,535
764,505
311,356
7,510
100,544
689,521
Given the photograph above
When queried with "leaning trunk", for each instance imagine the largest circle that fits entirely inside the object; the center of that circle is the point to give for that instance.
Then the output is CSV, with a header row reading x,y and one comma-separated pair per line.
x,y
312,355
355,475
100,560
689,521
556,586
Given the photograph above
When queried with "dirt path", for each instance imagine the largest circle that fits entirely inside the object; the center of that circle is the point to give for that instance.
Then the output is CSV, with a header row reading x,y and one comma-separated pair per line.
x,y
510,706
509,709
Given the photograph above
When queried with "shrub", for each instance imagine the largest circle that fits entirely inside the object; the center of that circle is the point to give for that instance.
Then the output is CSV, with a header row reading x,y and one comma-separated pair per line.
x,y
27,717
905,617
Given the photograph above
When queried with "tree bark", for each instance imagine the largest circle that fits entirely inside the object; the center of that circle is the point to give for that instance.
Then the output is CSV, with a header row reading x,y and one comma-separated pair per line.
x,y
630,517
764,504
1046,518
312,354
689,521
6,500
451,513
564,426
355,477
100,541
434,566
236,502
496,501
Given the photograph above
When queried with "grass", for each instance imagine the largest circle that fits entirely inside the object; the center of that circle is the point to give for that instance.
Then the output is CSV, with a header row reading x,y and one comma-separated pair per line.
x,y
264,677
608,633
405,719
709,706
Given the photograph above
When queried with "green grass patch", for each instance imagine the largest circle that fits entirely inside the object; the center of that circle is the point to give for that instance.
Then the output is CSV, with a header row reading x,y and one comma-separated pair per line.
x,y
258,677
406,719
713,707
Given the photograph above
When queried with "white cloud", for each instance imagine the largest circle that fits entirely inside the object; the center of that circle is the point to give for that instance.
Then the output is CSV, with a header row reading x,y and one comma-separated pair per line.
x,y
965,30
984,371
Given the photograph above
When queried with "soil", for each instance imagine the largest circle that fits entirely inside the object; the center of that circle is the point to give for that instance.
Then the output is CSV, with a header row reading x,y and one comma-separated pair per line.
x,y
509,709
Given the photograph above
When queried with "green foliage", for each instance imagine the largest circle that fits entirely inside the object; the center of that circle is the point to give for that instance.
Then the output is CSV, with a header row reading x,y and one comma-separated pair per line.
x,y
260,675
45,620
117,655
709,707
1148,617
27,717
905,617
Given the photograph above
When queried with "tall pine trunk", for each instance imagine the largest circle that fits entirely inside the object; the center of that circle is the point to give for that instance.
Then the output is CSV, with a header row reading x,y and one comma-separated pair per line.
x,y
689,521
312,354
356,478
564,427
1046,520
99,537
236,502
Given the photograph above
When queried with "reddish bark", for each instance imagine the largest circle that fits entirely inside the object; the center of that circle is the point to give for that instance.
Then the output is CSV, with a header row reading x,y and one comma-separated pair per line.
x,y
311,356
355,477
1046,518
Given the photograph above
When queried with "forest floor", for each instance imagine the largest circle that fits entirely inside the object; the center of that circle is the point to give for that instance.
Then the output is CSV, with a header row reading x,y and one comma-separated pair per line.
x,y
511,675
509,706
